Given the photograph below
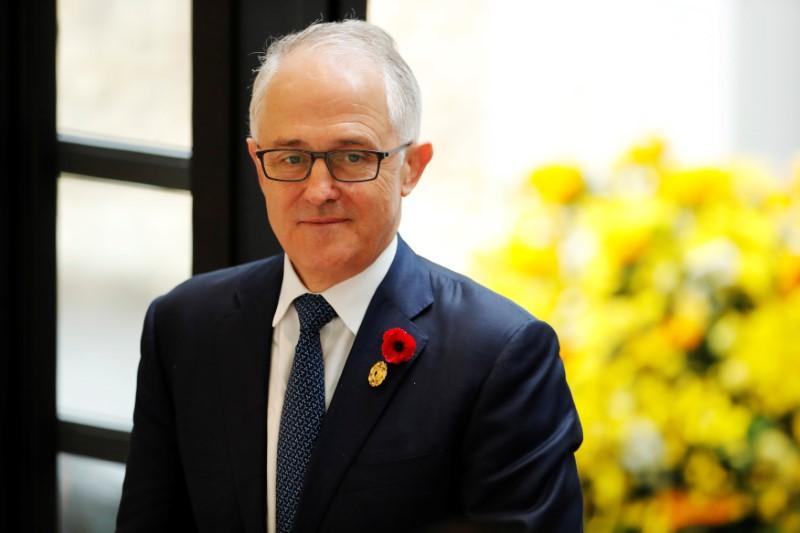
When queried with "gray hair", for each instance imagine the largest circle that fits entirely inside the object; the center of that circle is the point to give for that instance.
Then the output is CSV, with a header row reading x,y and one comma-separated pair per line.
x,y
403,98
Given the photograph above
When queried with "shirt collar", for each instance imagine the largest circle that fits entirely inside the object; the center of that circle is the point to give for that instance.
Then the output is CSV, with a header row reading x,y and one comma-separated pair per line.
x,y
349,298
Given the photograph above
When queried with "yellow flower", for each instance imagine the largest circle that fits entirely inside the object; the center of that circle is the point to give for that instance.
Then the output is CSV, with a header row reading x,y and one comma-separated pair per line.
x,y
704,473
756,275
652,349
689,321
722,335
627,227
649,152
796,426
653,395
768,344
609,485
657,518
706,415
558,183
676,295
791,523
531,250
533,259
772,501
695,186
788,272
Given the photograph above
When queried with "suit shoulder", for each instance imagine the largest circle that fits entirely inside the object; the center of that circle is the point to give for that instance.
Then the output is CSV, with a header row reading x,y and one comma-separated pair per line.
x,y
217,289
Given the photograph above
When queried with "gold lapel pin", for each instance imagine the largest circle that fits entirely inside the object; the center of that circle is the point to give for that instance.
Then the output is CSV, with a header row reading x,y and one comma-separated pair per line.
x,y
377,373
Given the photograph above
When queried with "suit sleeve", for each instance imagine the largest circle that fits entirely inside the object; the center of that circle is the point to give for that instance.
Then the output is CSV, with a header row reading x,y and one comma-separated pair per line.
x,y
154,495
519,471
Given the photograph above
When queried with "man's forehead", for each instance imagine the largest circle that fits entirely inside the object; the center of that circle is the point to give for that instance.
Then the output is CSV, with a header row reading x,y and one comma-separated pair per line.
x,y
308,78
318,92
328,65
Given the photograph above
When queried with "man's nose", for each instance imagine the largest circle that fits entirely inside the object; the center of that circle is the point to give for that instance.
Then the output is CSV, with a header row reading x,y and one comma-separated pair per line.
x,y
320,185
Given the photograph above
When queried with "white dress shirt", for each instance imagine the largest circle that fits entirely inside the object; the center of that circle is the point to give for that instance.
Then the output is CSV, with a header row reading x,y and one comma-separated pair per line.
x,y
349,299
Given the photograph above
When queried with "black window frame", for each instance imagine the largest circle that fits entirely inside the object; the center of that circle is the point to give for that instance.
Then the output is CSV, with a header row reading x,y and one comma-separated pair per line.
x,y
228,217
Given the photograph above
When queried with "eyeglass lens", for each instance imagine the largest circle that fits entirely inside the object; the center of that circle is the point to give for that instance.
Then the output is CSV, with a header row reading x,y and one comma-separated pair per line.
x,y
345,165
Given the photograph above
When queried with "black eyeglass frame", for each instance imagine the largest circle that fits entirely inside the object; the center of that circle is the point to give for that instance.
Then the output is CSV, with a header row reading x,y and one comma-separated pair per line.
x,y
325,156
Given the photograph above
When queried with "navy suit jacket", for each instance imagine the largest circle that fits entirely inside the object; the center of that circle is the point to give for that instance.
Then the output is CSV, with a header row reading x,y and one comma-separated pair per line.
x,y
477,432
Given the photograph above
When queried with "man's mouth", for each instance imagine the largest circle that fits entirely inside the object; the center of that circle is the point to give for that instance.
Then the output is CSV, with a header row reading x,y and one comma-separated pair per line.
x,y
322,221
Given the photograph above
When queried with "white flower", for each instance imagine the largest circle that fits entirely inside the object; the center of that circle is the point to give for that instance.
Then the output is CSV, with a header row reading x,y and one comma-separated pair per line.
x,y
715,262
643,450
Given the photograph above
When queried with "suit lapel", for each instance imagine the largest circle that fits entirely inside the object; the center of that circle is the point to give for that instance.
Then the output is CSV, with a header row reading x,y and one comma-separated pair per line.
x,y
243,349
356,407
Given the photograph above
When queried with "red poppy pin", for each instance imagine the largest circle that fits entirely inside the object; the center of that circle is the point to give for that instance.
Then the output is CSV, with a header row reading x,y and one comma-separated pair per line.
x,y
397,347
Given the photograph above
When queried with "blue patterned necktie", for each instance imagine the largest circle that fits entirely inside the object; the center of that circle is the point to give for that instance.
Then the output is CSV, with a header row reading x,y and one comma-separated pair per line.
x,y
303,407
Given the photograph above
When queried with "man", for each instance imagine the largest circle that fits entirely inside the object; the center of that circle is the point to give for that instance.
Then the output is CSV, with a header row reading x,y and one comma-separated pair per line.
x,y
348,385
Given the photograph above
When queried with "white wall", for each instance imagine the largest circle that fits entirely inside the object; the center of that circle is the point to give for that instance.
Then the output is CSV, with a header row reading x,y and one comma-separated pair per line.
x,y
509,85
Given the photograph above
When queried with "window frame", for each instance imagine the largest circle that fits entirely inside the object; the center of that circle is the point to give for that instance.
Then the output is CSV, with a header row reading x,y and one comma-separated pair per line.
x,y
228,219
217,170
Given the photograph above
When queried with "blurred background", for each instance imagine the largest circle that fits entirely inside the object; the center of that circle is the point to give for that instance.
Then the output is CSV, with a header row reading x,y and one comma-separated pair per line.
x,y
626,169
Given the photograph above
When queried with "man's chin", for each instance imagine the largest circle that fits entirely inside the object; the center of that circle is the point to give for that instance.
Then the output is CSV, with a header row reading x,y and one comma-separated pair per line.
x,y
326,260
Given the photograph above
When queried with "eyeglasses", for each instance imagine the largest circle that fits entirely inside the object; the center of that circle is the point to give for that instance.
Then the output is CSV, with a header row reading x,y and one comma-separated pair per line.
x,y
280,164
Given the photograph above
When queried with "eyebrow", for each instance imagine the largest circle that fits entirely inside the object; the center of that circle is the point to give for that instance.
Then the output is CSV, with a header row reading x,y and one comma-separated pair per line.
x,y
348,141
291,143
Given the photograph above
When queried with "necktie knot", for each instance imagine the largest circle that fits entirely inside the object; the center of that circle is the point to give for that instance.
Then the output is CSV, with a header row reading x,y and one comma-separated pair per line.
x,y
314,312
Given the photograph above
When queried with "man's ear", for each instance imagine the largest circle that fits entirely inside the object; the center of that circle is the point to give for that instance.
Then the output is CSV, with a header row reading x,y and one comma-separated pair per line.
x,y
418,156
251,149
252,146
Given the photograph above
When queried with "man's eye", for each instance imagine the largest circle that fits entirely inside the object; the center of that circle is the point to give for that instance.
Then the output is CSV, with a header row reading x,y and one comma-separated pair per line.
x,y
354,157
293,159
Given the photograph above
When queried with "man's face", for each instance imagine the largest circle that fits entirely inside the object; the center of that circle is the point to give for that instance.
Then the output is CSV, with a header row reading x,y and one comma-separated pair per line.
x,y
329,229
